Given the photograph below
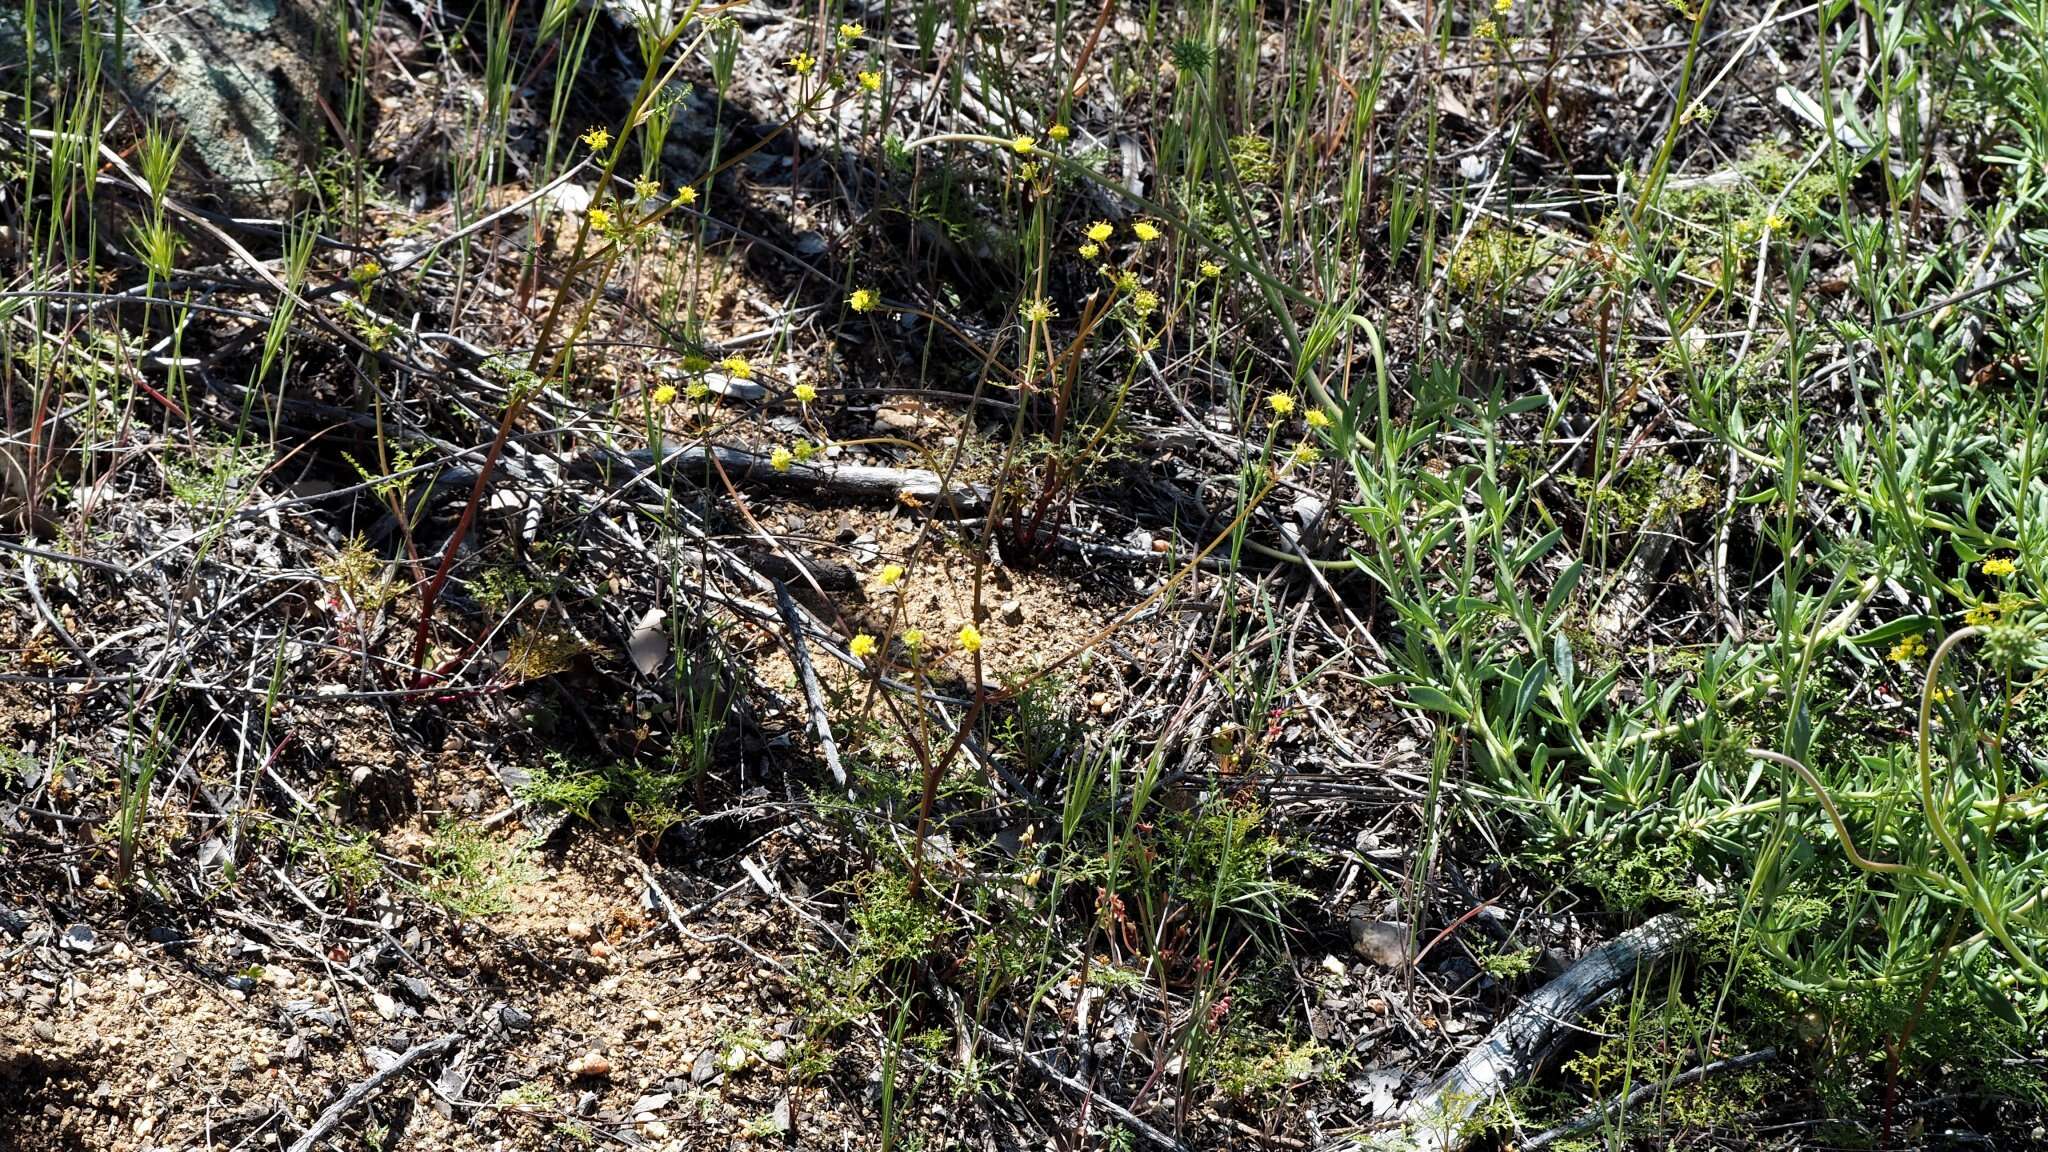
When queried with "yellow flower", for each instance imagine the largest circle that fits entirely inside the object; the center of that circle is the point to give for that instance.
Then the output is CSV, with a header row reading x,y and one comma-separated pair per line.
x,y
1487,30
864,300
863,646
806,393
697,390
1058,132
1979,616
1317,418
1127,281
600,220
851,32
1037,312
646,189
913,639
802,63
597,138
1942,695
737,367
1998,566
1100,231
666,394
1145,230
1090,250
1503,7
1281,403
872,81
781,459
970,638
1908,650
1144,302
890,574
1211,269
1304,454
804,451
1022,145
686,195
1028,172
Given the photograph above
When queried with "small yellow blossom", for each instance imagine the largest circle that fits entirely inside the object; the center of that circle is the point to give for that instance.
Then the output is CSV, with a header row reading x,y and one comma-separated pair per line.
x,y
1100,231
1028,172
686,195
600,219
864,300
1998,566
646,189
1304,454
1090,250
1211,269
737,367
1908,650
913,638
1486,30
851,32
1022,145
872,81
890,574
1037,312
1980,616
970,638
802,63
1776,223
597,138
1942,695
1281,403
804,451
1503,7
1145,302
863,646
1317,418
666,394
1145,230
781,459
697,390
1127,281
1058,132
806,393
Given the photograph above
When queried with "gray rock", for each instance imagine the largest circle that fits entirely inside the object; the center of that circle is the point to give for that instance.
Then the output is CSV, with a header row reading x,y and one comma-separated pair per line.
x,y
78,938
1384,942
240,81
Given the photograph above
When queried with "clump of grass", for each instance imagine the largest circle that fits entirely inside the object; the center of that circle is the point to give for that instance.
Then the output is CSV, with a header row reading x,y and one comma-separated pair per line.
x,y
468,872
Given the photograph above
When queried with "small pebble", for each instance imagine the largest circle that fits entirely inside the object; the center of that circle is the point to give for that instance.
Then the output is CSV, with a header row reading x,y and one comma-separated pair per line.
x,y
591,1064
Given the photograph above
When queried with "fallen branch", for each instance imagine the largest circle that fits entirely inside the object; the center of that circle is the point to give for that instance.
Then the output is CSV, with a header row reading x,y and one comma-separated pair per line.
x,y
1621,1104
919,487
814,696
1440,1120
368,1087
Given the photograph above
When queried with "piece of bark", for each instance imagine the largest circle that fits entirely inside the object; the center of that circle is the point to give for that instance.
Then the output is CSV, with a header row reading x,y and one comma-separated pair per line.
x,y
1440,1120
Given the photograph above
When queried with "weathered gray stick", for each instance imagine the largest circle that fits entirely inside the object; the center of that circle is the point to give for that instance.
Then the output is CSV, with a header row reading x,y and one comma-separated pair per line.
x,y
863,481
814,696
367,1088
1440,1119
